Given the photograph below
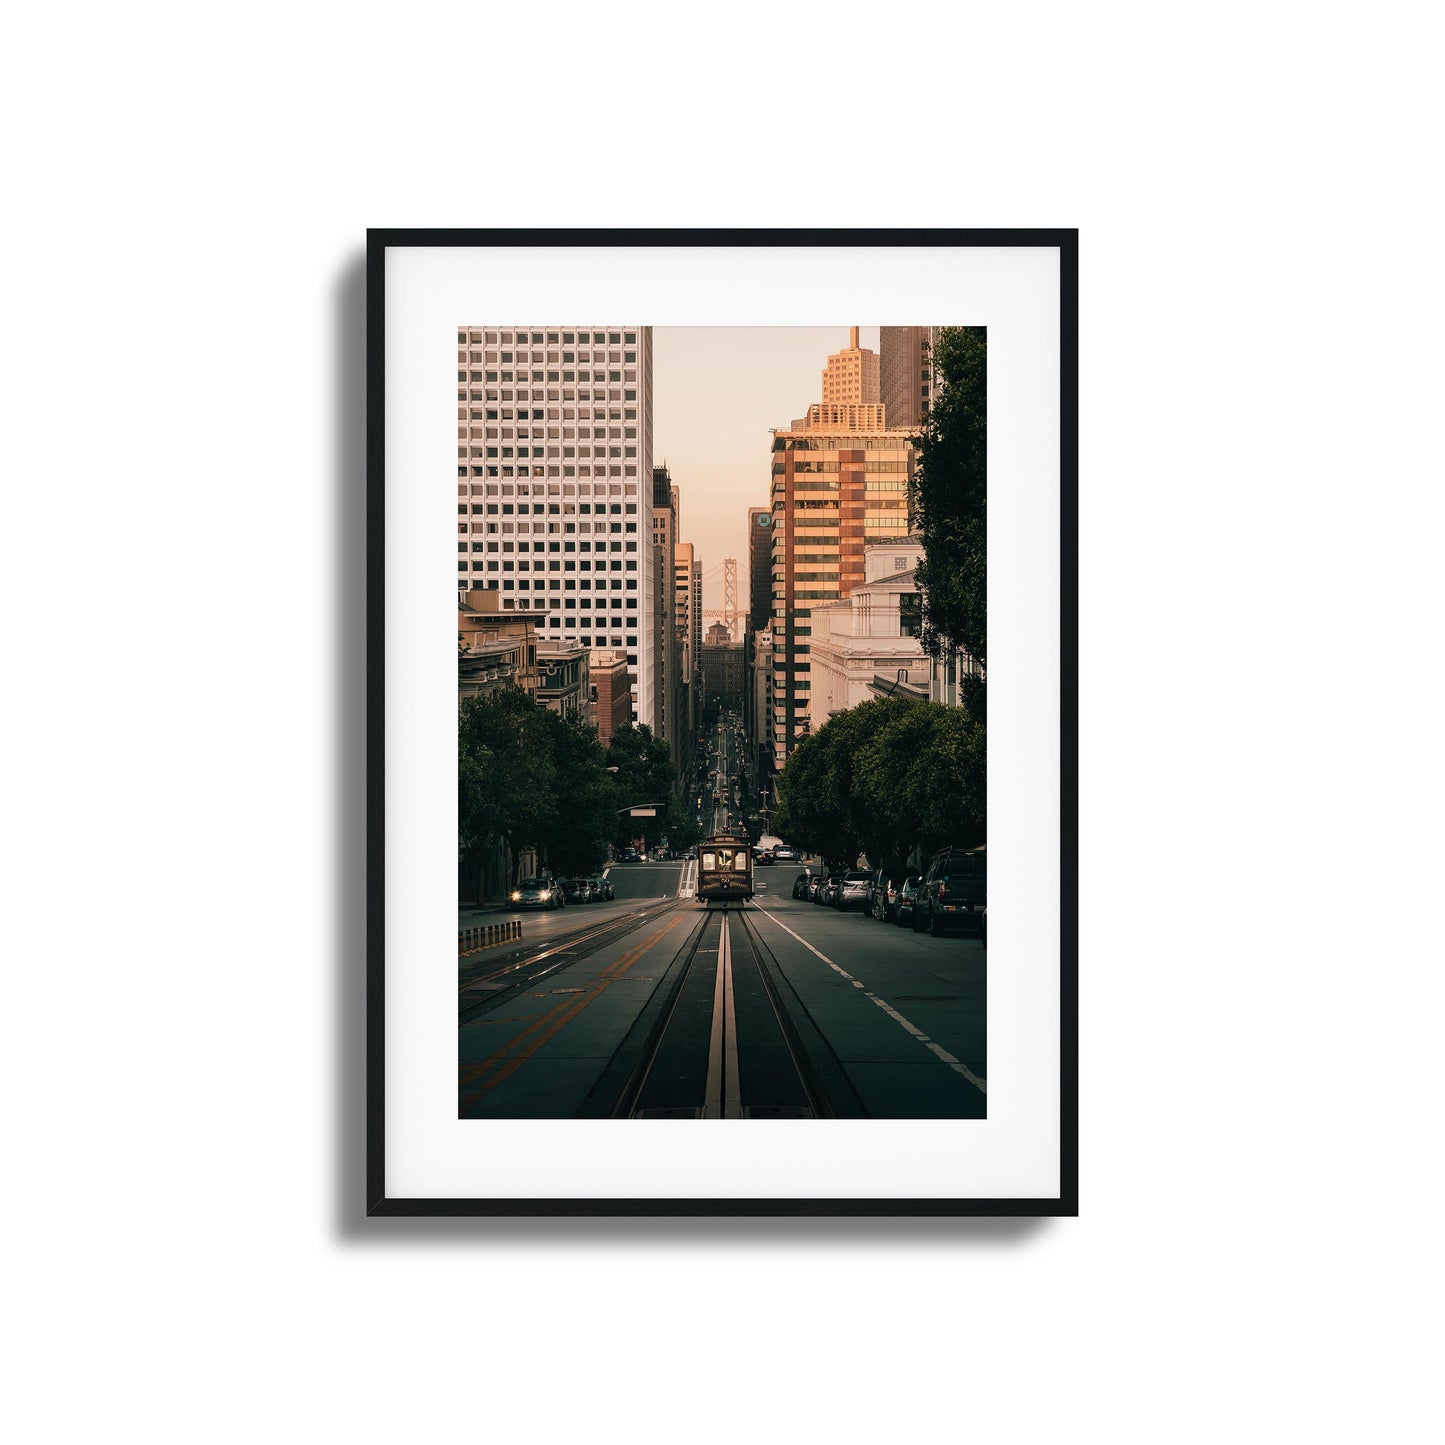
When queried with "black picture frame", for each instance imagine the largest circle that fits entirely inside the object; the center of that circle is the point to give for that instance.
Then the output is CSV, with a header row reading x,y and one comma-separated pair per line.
x,y
377,1202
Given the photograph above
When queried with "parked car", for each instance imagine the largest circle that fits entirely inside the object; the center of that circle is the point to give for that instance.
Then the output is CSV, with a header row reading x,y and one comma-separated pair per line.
x,y
815,882
541,892
577,890
954,892
763,857
801,884
883,890
691,855
785,855
907,901
852,890
829,889
602,888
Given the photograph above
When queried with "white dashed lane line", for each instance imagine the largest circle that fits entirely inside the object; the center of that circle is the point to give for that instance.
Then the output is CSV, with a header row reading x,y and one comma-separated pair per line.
x,y
937,1050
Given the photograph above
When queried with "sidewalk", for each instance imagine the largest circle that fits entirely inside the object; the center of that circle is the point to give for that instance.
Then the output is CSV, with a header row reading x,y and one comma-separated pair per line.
x,y
466,912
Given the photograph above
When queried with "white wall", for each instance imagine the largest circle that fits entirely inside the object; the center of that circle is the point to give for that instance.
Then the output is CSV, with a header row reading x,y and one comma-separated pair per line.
x,y
188,190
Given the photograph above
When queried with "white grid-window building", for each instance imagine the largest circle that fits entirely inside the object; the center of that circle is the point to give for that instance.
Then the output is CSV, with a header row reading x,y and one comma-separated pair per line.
x,y
554,483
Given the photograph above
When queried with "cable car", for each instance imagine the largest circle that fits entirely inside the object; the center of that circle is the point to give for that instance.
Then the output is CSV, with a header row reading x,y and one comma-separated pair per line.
x,y
725,868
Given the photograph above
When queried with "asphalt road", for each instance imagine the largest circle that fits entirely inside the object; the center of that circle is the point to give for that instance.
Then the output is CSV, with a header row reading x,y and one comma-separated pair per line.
x,y
654,1007
630,881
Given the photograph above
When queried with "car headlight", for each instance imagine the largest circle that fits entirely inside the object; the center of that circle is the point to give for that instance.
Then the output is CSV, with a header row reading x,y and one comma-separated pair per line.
x,y
516,897
546,893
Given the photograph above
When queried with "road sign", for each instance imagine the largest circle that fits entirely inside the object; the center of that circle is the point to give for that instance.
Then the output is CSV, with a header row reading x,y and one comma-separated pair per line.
x,y
643,812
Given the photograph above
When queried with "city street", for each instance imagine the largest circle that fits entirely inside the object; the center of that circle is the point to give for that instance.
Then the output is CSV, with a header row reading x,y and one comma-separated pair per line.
x,y
655,1007
633,883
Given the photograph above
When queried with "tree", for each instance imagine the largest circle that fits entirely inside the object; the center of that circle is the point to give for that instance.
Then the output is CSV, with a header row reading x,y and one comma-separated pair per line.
x,y
506,777
575,836
949,495
820,804
921,782
531,777
885,778
641,767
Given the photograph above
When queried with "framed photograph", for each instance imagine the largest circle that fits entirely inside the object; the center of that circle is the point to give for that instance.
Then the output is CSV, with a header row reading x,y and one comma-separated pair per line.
x,y
722,824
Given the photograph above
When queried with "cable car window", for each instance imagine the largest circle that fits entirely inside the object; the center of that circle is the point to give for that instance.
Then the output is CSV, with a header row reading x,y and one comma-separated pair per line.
x,y
725,858
709,860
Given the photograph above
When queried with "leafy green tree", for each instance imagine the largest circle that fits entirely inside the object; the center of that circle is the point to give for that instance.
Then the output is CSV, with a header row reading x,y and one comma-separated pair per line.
x,y
531,777
920,782
949,498
949,495
506,775
642,773
884,778
575,836
818,806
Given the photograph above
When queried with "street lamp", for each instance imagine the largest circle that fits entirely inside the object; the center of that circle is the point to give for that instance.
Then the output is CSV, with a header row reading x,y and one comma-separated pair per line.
x,y
642,810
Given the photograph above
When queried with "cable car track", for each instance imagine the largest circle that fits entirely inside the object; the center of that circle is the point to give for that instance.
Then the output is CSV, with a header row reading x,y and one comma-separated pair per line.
x,y
820,1072
724,1041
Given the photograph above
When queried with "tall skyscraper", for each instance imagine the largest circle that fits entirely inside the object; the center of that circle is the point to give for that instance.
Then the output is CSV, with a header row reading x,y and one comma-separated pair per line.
x,y
687,578
672,727
760,567
554,484
851,375
907,373
839,482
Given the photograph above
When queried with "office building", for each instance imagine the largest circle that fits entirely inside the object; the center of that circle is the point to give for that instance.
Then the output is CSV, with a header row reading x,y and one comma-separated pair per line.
x,y
671,723
722,666
852,375
906,373
839,482
687,592
554,486
758,701
760,567
611,693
